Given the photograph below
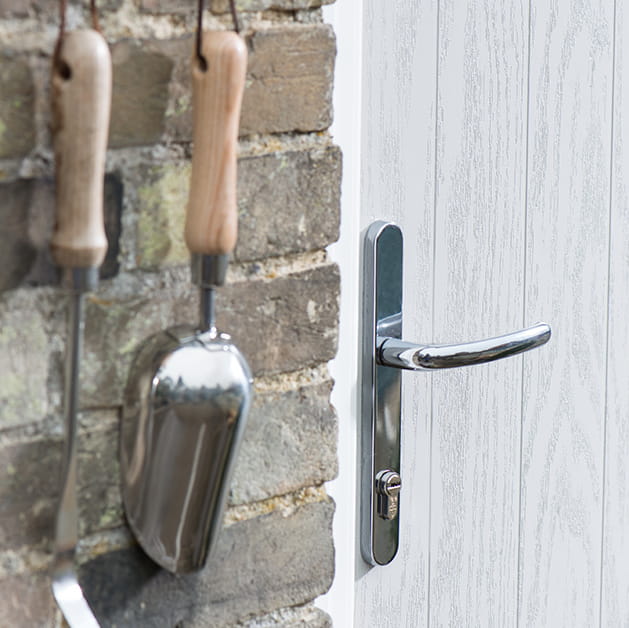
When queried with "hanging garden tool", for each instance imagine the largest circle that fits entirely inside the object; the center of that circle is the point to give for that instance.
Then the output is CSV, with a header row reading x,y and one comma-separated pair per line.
x,y
189,388
81,102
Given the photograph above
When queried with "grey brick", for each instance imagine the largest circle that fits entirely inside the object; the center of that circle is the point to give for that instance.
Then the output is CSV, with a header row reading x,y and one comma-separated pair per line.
x,y
26,223
27,601
30,484
22,8
17,251
167,6
222,6
152,91
161,200
28,490
13,8
281,325
260,564
290,442
140,94
17,94
292,69
100,501
24,362
288,202
286,324
294,617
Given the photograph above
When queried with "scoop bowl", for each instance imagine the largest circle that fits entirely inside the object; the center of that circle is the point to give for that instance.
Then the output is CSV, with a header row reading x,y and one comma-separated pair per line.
x,y
185,409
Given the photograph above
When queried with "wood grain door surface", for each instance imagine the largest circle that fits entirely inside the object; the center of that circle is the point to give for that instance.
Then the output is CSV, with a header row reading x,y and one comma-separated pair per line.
x,y
494,134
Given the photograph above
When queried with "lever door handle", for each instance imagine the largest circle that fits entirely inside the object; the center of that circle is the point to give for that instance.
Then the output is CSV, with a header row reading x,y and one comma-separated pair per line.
x,y
407,355
381,400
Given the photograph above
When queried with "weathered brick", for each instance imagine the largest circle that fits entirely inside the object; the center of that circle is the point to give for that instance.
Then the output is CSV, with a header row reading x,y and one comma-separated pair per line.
x,y
24,347
17,251
166,6
293,617
26,224
23,8
13,8
140,95
30,484
260,564
291,72
27,601
286,324
288,87
17,94
162,196
222,6
288,203
30,475
277,454
281,325
100,501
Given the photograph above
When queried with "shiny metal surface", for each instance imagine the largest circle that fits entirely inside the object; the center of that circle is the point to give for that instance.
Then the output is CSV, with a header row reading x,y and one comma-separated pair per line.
x,y
185,409
209,270
381,388
65,586
387,485
414,357
390,326
80,279
384,356
69,595
207,309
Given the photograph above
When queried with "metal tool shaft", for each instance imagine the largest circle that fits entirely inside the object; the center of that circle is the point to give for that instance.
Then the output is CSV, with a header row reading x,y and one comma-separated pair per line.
x,y
208,272
65,586
67,515
207,309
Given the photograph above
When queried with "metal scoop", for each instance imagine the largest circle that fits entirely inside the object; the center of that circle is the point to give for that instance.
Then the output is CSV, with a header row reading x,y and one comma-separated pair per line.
x,y
189,389
81,91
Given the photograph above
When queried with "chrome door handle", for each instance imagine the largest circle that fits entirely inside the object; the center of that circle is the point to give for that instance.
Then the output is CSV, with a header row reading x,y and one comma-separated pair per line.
x,y
413,357
384,355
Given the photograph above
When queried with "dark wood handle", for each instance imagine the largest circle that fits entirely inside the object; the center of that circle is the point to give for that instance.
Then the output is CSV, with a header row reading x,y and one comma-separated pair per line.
x,y
212,217
81,100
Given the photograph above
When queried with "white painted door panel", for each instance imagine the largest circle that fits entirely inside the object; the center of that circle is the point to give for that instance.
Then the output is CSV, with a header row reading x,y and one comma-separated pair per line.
x,y
478,292
398,120
571,52
615,563
494,133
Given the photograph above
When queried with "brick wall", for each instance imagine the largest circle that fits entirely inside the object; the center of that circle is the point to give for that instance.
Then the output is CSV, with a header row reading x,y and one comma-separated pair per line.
x,y
275,554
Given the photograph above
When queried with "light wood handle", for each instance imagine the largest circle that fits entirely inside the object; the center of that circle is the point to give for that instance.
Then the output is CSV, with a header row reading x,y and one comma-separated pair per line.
x,y
81,101
212,217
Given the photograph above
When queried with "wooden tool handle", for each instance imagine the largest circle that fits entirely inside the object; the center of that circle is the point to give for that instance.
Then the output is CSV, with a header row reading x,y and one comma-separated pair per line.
x,y
212,217
81,100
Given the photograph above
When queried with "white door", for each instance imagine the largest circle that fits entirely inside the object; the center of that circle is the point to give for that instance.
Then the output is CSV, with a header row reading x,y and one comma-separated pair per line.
x,y
492,132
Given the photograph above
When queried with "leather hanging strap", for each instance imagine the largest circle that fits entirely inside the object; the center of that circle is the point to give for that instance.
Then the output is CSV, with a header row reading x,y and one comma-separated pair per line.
x,y
63,4
201,5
